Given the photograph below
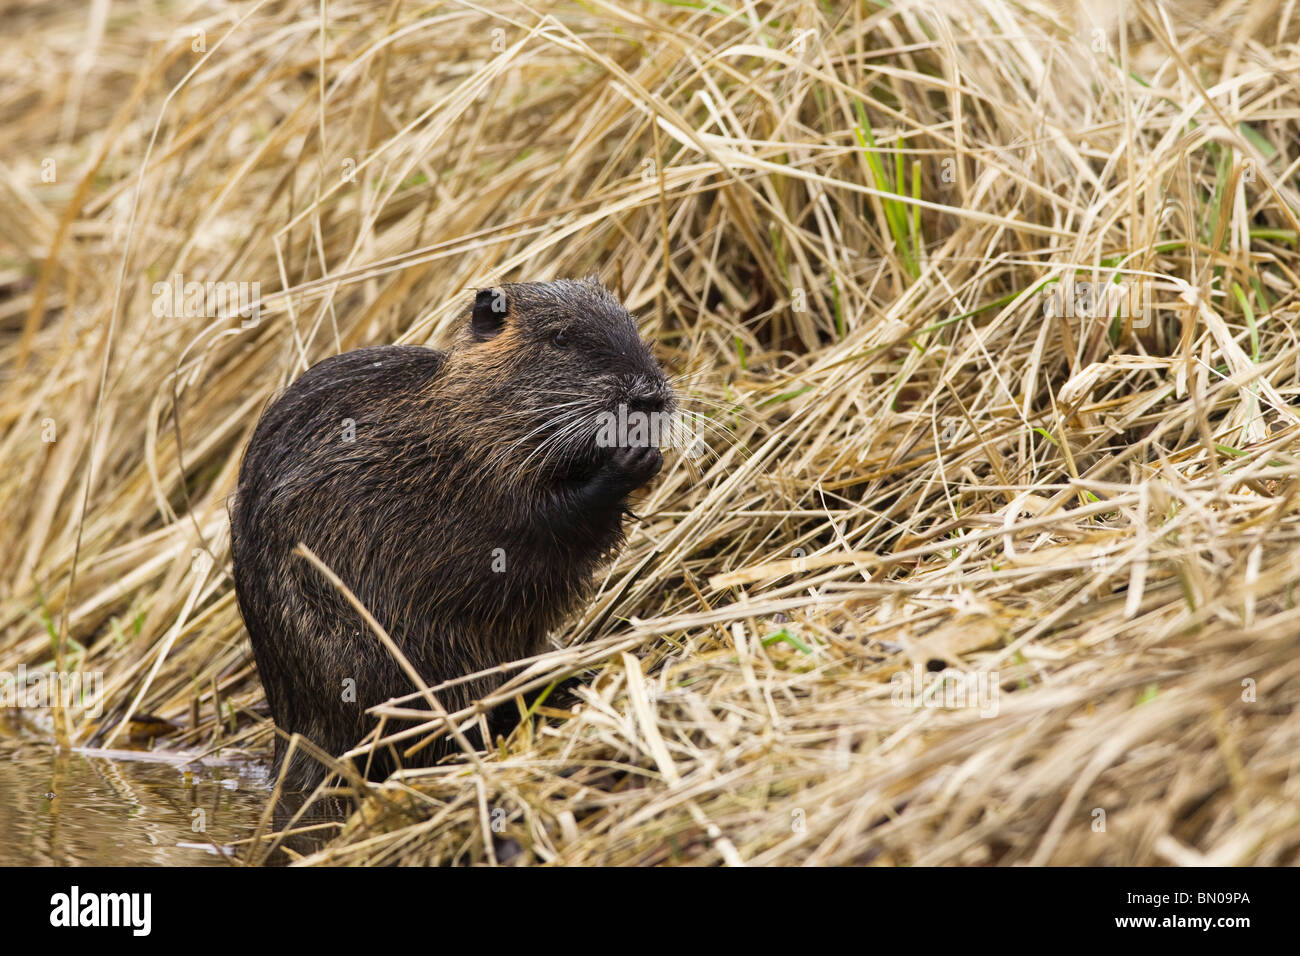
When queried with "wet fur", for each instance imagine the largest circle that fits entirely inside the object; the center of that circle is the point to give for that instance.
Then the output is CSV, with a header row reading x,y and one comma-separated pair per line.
x,y
457,453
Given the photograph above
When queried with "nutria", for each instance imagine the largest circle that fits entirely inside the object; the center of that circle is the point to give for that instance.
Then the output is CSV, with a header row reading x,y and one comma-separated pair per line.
x,y
464,496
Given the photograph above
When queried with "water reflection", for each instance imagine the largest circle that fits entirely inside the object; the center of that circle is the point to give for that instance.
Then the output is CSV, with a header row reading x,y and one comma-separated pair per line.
x,y
72,808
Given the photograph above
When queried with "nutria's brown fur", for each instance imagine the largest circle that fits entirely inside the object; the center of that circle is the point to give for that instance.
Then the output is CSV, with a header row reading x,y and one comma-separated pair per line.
x,y
462,496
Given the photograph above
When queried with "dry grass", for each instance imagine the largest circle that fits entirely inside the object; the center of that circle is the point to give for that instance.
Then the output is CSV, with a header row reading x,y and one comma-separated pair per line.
x,y
912,461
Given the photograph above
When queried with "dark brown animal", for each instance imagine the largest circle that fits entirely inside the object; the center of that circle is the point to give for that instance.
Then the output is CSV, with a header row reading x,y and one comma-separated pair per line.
x,y
464,496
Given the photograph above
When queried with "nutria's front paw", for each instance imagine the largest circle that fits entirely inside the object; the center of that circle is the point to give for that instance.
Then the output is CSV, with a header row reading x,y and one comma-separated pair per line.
x,y
631,467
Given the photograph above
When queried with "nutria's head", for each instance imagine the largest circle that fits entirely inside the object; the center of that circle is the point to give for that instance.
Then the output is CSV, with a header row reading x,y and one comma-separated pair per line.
x,y
561,372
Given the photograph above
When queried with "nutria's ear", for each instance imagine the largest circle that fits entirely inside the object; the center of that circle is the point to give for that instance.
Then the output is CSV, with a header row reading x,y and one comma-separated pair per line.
x,y
489,315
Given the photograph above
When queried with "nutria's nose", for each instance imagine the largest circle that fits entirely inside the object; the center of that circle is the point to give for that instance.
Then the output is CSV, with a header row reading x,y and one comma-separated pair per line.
x,y
646,400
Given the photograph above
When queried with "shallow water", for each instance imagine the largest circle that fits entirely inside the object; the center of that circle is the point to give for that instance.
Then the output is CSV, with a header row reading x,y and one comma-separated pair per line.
x,y
70,809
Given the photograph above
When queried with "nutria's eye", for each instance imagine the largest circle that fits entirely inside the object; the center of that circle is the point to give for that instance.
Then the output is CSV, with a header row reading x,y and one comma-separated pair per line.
x,y
561,339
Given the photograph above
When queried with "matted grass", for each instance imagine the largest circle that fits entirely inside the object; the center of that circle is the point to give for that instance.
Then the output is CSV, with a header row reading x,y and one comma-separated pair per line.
x,y
849,227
